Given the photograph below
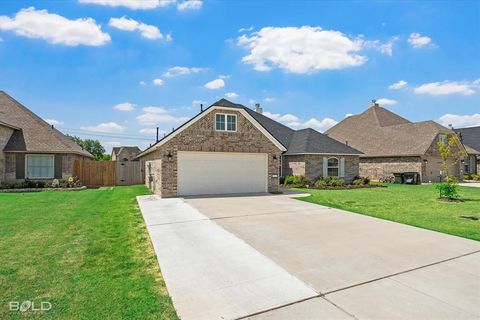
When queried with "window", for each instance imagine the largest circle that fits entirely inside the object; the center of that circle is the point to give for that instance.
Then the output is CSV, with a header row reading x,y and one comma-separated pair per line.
x,y
332,167
225,122
39,166
442,138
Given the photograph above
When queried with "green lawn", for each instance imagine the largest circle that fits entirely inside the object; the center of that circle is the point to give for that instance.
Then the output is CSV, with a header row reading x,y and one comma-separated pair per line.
x,y
87,253
416,205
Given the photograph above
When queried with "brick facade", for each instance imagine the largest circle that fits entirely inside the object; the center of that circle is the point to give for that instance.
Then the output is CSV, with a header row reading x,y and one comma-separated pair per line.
x,y
202,136
311,166
5,134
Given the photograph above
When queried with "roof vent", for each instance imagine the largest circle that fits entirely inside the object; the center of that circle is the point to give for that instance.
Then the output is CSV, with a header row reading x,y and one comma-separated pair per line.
x,y
374,103
258,108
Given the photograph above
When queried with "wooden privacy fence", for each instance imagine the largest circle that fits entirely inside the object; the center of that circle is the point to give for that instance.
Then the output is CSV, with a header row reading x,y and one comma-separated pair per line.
x,y
108,173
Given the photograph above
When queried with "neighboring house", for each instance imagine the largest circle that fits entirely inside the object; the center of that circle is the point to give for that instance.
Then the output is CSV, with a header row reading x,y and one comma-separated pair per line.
x,y
392,144
32,149
125,153
229,148
471,139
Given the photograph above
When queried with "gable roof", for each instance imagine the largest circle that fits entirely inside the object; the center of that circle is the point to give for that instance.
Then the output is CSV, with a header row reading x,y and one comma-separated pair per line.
x,y
471,138
133,149
301,141
379,132
32,133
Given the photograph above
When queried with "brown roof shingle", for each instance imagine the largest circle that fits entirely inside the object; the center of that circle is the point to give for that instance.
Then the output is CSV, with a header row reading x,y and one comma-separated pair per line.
x,y
35,135
379,132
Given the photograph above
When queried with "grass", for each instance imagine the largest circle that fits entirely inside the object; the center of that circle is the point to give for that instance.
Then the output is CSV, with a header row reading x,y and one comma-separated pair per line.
x,y
416,205
87,253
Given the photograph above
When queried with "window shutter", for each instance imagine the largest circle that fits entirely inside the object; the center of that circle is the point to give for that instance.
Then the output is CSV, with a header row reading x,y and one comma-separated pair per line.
x,y
20,166
342,167
325,167
58,166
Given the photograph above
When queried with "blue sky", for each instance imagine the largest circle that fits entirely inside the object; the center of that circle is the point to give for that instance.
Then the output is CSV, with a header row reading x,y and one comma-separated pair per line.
x,y
115,70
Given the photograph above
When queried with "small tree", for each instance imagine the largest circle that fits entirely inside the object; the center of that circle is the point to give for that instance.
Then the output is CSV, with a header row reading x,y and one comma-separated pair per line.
x,y
92,146
448,188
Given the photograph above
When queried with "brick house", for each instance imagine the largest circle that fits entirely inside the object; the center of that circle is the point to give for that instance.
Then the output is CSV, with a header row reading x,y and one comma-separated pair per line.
x,y
229,148
392,144
32,149
125,153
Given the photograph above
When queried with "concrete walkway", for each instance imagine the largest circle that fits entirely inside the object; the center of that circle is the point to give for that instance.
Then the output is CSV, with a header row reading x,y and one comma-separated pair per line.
x,y
324,263
470,184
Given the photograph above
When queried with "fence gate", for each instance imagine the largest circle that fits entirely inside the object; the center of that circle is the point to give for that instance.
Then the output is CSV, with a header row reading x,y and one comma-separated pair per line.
x,y
108,173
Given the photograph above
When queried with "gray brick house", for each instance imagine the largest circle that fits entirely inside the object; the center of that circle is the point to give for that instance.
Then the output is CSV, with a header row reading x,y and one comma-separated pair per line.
x,y
471,139
32,149
125,153
229,148
393,144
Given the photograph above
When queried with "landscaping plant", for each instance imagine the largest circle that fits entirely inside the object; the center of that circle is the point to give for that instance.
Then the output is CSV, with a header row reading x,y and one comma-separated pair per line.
x,y
448,188
296,181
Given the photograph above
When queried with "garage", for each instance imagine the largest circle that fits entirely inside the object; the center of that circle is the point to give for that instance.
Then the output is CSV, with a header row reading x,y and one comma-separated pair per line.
x,y
221,172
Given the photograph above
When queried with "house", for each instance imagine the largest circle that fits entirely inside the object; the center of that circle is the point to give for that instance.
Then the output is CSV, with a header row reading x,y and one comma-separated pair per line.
x,y
32,149
125,153
471,139
229,148
392,144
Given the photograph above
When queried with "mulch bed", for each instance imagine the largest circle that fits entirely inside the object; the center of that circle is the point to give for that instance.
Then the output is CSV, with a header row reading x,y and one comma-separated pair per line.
x,y
345,187
41,189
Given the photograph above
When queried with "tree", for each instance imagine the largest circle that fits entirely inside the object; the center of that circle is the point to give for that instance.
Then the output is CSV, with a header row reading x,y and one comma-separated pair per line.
x,y
92,146
446,145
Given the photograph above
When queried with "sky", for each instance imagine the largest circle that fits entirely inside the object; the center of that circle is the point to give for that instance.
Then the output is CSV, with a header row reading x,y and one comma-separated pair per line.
x,y
114,70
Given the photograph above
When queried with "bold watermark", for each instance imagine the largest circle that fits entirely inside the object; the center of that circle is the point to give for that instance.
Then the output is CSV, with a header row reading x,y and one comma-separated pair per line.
x,y
29,306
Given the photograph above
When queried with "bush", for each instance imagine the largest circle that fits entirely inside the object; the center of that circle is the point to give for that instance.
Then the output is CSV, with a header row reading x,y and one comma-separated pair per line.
x,y
364,180
296,181
476,177
320,183
448,189
337,182
358,182
330,182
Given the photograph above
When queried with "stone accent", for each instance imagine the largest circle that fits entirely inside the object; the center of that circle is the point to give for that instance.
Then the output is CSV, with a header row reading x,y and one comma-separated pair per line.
x,y
202,136
153,176
311,166
5,134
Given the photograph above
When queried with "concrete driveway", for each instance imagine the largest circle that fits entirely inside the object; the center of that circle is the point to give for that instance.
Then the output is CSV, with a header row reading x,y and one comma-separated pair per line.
x,y
274,257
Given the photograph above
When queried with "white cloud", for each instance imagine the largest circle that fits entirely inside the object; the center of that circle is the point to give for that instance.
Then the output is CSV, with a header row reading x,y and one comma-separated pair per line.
x,y
398,85
54,28
178,71
231,95
1,40
269,99
142,83
54,122
448,87
418,41
301,50
125,106
147,31
319,125
459,121
215,84
349,115
151,131
383,47
190,5
224,76
107,127
294,122
245,29
132,4
157,82
386,102
154,110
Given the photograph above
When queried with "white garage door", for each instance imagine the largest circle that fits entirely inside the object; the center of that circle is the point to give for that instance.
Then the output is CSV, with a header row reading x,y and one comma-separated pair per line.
x,y
221,172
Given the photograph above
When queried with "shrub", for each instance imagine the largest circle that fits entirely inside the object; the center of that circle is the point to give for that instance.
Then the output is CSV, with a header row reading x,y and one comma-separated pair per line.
x,y
330,182
337,182
358,182
365,180
297,181
320,183
476,177
448,189
468,176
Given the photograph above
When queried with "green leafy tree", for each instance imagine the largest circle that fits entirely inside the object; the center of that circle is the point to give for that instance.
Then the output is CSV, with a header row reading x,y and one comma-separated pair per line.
x,y
450,155
92,146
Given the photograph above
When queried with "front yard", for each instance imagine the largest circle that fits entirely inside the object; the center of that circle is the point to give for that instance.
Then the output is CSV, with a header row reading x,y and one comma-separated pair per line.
x,y
87,253
415,205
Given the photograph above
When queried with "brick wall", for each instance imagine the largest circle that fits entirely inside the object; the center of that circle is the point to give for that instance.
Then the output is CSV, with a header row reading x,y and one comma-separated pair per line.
x,y
5,134
377,167
311,166
201,136
153,176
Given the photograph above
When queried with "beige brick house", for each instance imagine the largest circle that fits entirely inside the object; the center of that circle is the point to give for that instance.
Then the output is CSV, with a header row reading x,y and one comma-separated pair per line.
x,y
392,144
32,149
125,153
229,148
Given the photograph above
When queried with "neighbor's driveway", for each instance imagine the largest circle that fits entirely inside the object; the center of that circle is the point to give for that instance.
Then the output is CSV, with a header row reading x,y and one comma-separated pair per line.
x,y
273,257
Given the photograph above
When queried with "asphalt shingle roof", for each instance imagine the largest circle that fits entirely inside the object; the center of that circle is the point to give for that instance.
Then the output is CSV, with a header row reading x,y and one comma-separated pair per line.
x,y
33,134
380,132
470,137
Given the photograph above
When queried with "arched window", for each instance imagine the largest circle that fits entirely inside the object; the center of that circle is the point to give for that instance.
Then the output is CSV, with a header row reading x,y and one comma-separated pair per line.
x,y
333,167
